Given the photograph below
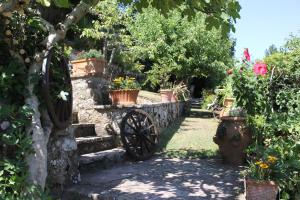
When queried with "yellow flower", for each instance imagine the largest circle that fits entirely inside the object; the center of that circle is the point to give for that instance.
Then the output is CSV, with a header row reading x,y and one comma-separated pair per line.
x,y
258,162
272,159
264,166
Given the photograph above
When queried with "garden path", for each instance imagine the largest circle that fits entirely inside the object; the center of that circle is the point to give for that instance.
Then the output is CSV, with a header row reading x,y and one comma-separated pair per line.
x,y
164,177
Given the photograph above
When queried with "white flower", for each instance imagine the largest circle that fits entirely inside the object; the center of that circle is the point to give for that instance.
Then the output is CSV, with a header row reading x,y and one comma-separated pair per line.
x,y
27,60
22,51
4,125
63,95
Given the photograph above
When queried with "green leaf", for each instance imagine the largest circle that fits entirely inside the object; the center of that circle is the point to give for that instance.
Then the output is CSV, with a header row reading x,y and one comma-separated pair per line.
x,y
46,3
62,3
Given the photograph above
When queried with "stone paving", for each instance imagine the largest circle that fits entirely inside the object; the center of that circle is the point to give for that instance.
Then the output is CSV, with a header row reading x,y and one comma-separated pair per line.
x,y
163,178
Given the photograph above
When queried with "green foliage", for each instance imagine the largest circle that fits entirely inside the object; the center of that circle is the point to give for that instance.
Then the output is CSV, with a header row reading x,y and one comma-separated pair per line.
x,y
58,3
271,50
273,108
125,83
178,46
221,14
208,98
26,33
92,53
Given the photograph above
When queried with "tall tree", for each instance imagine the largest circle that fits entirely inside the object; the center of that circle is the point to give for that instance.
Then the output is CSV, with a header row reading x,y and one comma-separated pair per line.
x,y
271,50
178,46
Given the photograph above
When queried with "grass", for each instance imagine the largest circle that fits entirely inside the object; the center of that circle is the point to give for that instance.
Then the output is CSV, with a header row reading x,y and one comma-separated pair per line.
x,y
191,137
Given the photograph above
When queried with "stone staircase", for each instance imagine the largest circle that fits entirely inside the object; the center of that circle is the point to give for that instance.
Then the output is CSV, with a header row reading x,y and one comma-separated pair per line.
x,y
96,151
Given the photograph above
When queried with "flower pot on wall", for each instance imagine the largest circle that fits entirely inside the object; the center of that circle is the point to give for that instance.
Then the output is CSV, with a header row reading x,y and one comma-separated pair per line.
x,y
87,67
123,97
266,190
167,96
228,102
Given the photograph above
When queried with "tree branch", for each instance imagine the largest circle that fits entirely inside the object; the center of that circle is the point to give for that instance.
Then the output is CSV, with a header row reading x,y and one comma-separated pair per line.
x,y
77,13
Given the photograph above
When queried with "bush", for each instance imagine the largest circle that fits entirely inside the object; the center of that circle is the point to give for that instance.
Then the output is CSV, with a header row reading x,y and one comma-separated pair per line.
x,y
272,103
93,53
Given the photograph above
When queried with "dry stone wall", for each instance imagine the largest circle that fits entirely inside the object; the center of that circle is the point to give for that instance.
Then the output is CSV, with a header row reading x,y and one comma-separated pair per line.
x,y
107,118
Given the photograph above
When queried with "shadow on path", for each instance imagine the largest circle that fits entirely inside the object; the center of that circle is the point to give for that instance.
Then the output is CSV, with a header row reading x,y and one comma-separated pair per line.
x,y
162,178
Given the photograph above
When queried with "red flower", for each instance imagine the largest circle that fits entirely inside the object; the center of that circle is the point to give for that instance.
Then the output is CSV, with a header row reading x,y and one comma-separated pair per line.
x,y
246,54
229,71
260,69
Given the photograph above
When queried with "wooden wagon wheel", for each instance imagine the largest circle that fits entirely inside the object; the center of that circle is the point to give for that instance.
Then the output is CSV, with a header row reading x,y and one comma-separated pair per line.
x,y
55,76
139,134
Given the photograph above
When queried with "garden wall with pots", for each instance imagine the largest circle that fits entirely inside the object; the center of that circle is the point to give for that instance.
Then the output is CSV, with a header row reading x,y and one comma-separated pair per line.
x,y
107,118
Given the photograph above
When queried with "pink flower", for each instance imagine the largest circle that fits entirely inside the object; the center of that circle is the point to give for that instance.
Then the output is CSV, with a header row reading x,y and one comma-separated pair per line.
x,y
246,54
229,72
260,69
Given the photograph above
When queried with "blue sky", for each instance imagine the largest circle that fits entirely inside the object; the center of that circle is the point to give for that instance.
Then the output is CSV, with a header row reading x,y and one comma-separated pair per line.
x,y
265,22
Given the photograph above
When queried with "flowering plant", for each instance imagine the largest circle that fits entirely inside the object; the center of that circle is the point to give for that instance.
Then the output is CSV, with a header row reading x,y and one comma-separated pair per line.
x,y
262,169
126,83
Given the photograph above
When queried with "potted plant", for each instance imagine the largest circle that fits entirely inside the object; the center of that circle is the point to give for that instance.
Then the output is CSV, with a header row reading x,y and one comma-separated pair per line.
x,y
181,92
258,178
166,93
124,91
88,63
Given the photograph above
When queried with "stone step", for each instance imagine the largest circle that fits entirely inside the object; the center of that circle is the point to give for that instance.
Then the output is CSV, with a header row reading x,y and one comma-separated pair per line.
x,y
93,144
83,130
102,159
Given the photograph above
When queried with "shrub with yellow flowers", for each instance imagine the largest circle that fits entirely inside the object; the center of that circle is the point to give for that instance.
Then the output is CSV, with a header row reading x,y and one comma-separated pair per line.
x,y
263,169
127,83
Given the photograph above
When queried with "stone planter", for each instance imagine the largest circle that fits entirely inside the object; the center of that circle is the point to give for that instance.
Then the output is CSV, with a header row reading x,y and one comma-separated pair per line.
x,y
123,97
87,67
233,138
167,96
255,190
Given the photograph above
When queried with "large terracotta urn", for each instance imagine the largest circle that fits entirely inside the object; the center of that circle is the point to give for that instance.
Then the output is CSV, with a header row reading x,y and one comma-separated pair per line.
x,y
233,137
86,67
124,97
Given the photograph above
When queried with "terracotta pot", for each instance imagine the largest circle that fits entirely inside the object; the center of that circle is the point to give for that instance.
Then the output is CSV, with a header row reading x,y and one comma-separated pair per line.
x,y
123,97
233,138
87,67
255,190
228,102
167,96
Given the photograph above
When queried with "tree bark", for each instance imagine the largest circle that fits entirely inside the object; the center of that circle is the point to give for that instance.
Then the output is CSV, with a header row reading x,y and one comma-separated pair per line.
x,y
41,126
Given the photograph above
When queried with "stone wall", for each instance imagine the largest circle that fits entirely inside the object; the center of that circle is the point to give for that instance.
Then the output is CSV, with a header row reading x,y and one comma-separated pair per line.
x,y
89,91
107,118
62,161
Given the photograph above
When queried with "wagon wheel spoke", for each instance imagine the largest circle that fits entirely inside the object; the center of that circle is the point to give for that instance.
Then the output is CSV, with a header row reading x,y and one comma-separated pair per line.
x,y
141,146
139,134
130,126
134,122
146,145
150,141
148,128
